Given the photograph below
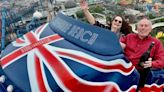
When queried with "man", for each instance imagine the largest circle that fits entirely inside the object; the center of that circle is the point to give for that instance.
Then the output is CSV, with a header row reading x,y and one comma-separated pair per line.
x,y
136,44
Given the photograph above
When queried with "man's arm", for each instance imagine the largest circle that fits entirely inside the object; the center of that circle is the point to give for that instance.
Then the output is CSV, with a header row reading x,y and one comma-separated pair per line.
x,y
158,60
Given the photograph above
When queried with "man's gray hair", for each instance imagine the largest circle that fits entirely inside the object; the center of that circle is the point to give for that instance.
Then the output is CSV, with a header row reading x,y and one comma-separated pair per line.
x,y
150,23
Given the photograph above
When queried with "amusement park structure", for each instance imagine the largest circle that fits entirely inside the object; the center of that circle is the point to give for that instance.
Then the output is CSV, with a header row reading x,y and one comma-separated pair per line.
x,y
16,21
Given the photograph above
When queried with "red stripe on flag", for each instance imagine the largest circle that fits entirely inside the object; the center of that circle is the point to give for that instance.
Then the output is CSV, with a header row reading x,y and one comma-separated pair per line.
x,y
39,75
97,64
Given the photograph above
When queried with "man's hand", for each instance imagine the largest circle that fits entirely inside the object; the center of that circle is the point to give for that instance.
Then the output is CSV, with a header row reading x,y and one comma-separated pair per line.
x,y
148,63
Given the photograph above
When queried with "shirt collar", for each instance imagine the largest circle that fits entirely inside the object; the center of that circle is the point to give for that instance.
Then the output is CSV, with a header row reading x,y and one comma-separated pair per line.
x,y
147,37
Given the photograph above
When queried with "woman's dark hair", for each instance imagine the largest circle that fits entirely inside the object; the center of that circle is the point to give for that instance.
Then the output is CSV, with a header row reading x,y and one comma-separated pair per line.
x,y
125,28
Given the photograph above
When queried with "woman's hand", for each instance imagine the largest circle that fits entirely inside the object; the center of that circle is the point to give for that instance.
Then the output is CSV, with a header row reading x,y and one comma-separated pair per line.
x,y
123,45
84,5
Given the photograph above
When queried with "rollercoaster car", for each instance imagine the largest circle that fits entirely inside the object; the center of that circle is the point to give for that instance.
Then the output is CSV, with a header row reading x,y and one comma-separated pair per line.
x,y
66,55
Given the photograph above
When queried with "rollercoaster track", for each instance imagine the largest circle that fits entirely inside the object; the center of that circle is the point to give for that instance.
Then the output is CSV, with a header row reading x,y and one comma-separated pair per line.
x,y
158,25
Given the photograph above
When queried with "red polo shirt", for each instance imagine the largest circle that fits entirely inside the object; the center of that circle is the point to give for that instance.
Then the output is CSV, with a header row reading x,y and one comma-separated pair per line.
x,y
135,47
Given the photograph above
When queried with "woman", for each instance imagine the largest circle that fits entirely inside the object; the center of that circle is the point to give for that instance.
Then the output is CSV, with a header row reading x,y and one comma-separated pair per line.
x,y
117,25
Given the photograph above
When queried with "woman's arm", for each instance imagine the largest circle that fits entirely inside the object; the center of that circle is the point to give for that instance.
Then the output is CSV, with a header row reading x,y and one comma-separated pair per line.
x,y
88,15
122,45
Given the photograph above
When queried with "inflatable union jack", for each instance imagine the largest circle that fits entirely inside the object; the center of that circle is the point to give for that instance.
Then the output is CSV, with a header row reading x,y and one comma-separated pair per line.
x,y
66,55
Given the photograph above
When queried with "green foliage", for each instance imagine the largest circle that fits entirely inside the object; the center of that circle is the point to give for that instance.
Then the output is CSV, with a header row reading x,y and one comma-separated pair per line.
x,y
96,9
160,20
92,9
80,14
108,18
162,40
151,16
154,33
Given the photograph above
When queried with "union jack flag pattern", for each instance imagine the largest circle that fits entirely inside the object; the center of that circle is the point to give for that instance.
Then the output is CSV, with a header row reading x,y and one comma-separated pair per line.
x,y
44,60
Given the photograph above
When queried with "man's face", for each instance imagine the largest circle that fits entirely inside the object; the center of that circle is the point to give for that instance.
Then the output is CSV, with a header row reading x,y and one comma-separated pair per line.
x,y
144,28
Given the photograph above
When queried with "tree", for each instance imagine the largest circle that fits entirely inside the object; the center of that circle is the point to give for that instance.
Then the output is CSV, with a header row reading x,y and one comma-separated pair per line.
x,y
70,4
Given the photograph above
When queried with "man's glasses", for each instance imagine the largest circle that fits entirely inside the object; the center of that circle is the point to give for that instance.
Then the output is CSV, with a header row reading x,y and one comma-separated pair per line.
x,y
118,21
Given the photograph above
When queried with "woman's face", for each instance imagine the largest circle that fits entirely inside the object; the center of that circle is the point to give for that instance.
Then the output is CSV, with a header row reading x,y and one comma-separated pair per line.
x,y
117,22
